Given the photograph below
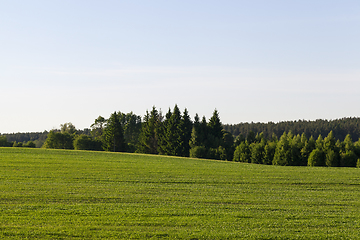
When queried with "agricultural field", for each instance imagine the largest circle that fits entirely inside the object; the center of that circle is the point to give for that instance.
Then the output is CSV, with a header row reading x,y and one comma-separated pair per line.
x,y
67,194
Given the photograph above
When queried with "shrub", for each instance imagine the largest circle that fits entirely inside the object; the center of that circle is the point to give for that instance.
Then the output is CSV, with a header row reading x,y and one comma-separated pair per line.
x,y
84,142
198,152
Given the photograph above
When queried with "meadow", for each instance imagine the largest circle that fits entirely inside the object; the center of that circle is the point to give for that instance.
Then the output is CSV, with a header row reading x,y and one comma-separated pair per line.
x,y
67,194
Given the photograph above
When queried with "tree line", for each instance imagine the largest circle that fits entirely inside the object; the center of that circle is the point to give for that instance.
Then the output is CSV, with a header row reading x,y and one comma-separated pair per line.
x,y
340,127
175,134
298,150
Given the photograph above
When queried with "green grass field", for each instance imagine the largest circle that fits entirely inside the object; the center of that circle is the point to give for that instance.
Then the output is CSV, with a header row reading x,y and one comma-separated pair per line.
x,y
57,194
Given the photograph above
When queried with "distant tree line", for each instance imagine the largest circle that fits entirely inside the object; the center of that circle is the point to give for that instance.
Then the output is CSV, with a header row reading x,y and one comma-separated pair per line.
x,y
5,143
298,150
340,128
23,139
30,139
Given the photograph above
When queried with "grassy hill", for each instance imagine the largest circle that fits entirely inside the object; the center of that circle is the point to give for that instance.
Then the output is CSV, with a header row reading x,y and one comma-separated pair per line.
x,y
58,194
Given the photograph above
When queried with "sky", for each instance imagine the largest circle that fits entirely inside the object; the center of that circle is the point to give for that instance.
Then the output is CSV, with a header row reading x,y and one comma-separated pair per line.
x,y
254,61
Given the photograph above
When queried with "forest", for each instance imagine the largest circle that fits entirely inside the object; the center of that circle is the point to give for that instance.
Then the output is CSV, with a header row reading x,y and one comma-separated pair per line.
x,y
340,128
296,143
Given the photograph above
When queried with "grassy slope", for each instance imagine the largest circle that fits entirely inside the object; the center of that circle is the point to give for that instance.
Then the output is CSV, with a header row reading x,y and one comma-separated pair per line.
x,y
73,194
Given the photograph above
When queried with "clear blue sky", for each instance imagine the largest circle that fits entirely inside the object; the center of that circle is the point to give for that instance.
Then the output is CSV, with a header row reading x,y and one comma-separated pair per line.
x,y
255,60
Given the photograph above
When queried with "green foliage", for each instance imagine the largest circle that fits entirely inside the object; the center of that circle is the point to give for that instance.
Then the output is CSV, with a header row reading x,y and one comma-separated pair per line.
x,y
331,158
68,128
221,154
296,145
198,152
307,149
58,140
219,144
257,154
16,144
97,128
316,158
4,142
37,137
228,145
186,126
251,137
269,152
29,144
282,151
131,124
242,153
84,142
215,129
357,148
113,135
348,159
329,142
340,128
149,136
172,134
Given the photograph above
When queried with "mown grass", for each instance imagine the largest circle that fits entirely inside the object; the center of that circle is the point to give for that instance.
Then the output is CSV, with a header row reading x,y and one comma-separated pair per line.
x,y
58,194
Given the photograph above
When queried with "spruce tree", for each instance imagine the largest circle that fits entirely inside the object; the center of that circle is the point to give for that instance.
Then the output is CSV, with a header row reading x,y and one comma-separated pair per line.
x,y
186,130
162,136
215,128
148,139
195,139
114,135
173,134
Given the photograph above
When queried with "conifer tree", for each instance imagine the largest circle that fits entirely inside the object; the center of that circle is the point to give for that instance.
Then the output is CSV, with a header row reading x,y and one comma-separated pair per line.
x,y
173,134
162,136
148,139
203,133
251,137
114,135
195,138
214,133
186,131
131,125
215,126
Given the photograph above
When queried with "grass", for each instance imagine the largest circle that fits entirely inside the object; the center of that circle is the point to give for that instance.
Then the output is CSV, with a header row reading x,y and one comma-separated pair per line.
x,y
59,194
